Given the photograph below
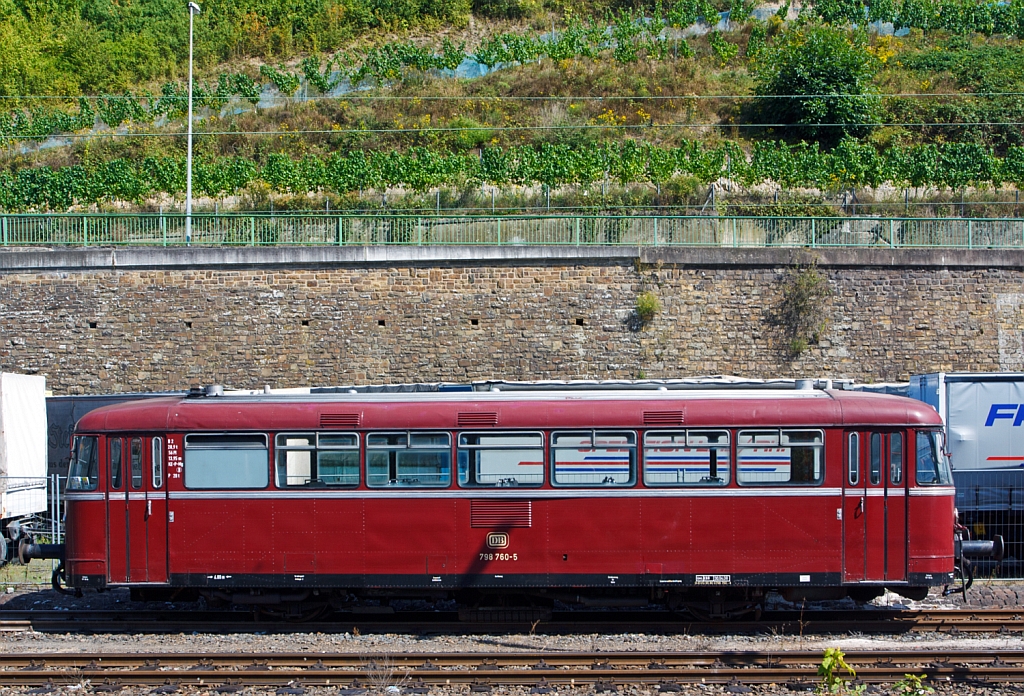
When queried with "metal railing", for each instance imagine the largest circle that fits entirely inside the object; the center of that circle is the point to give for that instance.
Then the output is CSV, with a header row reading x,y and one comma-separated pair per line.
x,y
154,229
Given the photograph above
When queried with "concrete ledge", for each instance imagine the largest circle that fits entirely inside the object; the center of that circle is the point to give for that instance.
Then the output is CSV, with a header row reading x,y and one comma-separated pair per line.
x,y
78,260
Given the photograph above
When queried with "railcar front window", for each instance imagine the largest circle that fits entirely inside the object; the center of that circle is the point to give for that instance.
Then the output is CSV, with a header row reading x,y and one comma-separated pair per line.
x,y
686,458
317,459
593,458
932,466
501,459
408,459
226,461
84,473
780,457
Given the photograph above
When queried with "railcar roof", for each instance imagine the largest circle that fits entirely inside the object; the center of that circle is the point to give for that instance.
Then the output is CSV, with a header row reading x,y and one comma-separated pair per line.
x,y
566,409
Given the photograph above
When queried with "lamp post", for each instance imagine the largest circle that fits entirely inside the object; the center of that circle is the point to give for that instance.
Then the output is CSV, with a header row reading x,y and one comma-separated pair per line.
x,y
193,10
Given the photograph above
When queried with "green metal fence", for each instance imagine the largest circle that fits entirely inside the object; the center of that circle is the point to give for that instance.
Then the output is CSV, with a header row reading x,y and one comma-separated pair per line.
x,y
641,230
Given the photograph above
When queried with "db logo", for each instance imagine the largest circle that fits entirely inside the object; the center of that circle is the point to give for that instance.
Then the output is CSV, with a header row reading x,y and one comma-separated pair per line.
x,y
497,540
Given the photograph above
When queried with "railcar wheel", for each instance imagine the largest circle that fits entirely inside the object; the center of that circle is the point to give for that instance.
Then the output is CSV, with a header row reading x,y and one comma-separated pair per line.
x,y
3,550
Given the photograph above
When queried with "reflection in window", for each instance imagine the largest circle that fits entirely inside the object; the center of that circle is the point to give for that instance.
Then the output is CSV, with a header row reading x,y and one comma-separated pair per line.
x,y
226,461
84,474
594,458
136,450
501,459
932,465
115,464
408,459
686,458
158,462
853,459
896,458
876,458
317,459
789,457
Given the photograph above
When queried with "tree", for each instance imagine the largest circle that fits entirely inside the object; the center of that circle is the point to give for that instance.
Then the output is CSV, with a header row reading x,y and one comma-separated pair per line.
x,y
818,78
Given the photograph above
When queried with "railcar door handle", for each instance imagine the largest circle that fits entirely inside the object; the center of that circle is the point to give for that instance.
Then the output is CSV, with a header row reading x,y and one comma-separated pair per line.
x,y
149,508
860,507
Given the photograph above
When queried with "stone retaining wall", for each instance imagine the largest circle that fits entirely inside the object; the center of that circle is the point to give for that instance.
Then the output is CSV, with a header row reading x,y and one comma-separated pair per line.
x,y
99,321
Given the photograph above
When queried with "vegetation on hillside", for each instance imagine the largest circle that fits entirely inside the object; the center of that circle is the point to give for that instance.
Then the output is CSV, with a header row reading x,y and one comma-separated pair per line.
x,y
615,97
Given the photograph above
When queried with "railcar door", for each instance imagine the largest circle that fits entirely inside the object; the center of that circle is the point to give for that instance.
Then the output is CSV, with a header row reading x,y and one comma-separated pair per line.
x,y
874,508
146,525
117,511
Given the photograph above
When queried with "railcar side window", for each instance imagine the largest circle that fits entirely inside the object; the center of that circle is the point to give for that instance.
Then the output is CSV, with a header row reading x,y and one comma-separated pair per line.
x,y
408,459
115,463
317,459
853,460
226,461
686,458
932,465
876,458
84,474
501,459
780,457
593,458
136,453
896,458
158,462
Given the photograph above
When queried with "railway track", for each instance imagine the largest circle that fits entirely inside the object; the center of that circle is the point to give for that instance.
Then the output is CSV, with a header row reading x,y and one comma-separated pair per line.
x,y
513,621
351,674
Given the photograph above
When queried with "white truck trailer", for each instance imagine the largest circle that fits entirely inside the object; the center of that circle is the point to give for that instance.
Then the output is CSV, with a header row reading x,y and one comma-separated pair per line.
x,y
984,417
22,456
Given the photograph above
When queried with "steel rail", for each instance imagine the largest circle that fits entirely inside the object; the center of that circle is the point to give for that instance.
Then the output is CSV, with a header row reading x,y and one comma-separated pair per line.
x,y
602,671
558,623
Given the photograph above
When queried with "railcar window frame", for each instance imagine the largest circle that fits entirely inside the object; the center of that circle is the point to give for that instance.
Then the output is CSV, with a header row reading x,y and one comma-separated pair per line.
x,y
691,441
414,444
896,459
875,459
940,472
469,456
116,444
243,442
853,459
319,444
135,461
780,439
157,462
632,446
84,474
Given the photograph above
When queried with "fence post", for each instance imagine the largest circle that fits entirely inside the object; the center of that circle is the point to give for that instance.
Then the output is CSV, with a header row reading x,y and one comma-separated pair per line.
x,y
419,232
499,231
735,234
163,228
252,230
892,231
577,230
970,233
85,230
3,228
814,234
340,233
655,231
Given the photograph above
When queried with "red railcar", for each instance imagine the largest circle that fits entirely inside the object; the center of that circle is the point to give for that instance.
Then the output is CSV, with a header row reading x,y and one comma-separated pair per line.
x,y
685,497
